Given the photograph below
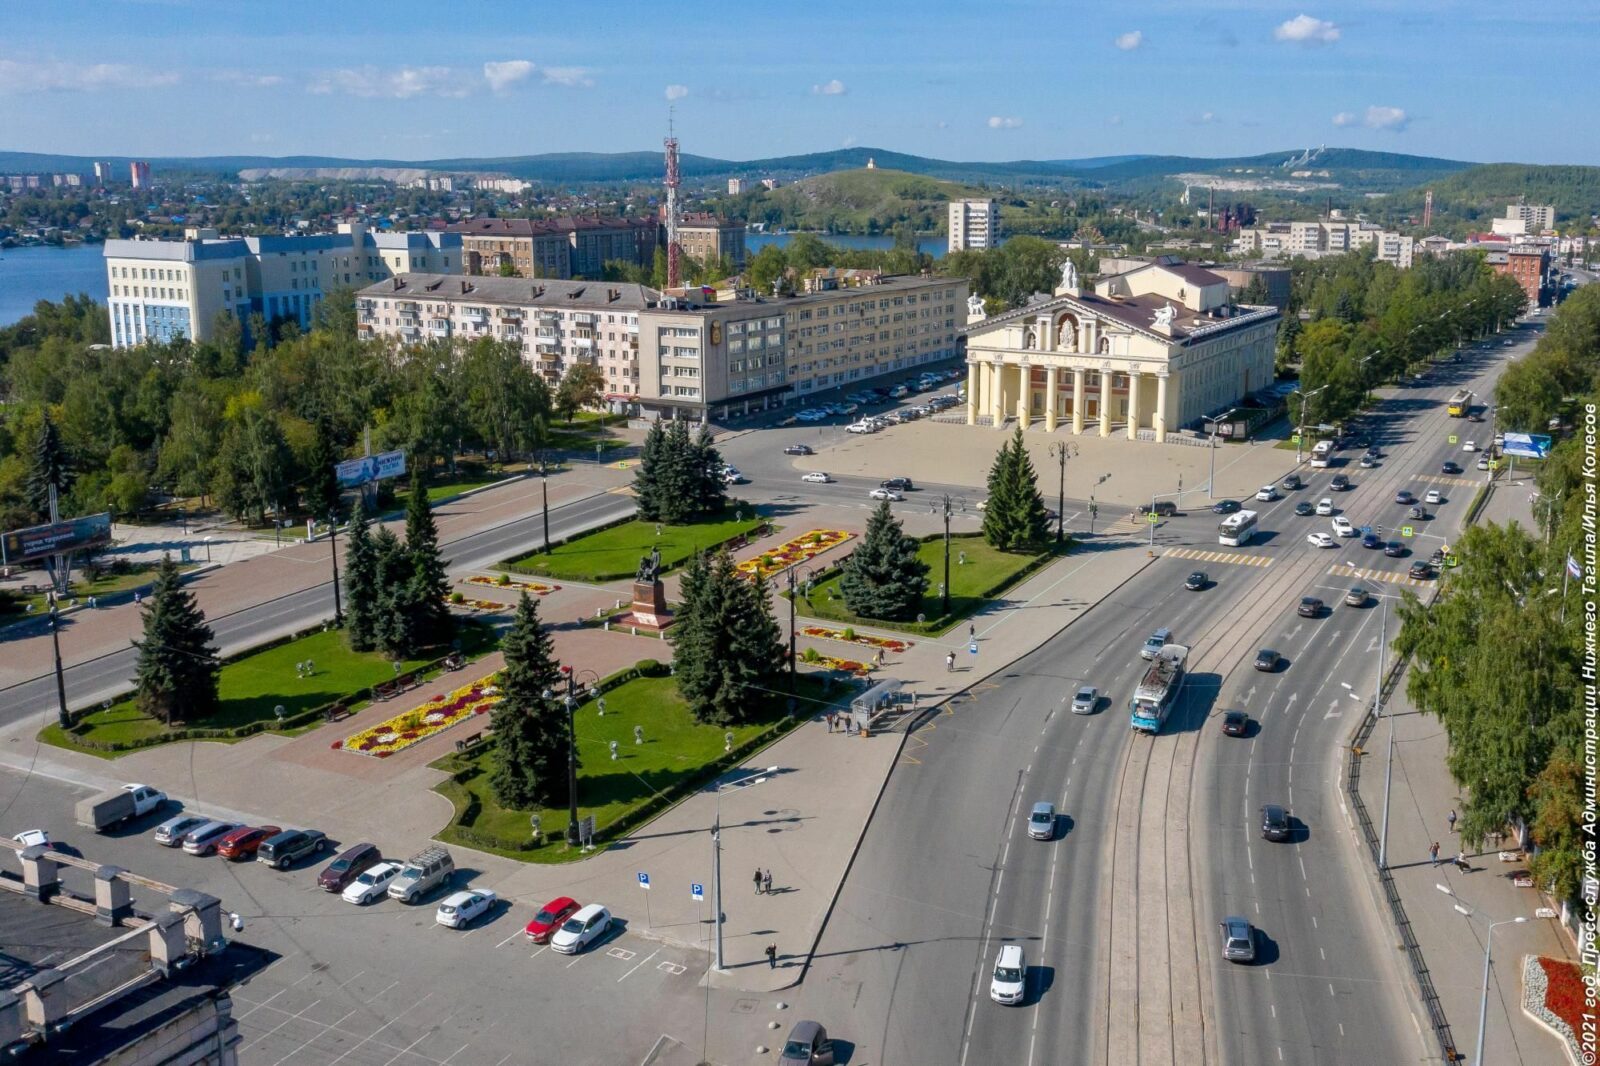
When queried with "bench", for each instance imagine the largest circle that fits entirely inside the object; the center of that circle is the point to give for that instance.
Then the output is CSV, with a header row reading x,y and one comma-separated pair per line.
x,y
454,661
467,742
337,713
385,690
406,681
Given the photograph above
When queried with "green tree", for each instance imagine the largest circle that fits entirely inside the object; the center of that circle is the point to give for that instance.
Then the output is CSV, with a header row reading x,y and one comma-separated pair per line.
x,y
677,482
1014,516
530,730
727,648
322,483
581,386
51,468
177,666
710,489
363,598
428,584
884,577
647,475
393,620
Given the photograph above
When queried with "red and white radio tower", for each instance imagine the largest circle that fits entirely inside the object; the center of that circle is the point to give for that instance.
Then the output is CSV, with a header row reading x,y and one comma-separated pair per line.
x,y
1427,209
674,250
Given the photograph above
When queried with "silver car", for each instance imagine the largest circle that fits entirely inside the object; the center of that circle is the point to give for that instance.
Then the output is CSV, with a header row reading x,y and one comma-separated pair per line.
x,y
170,833
1087,699
1238,940
1042,821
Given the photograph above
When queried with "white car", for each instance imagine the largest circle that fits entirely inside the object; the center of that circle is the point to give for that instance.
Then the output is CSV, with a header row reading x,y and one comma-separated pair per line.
x,y
862,427
1010,981
1319,540
1325,506
1087,698
1469,446
1343,528
731,475
581,930
816,477
1267,493
811,414
886,494
372,884
1433,496
460,908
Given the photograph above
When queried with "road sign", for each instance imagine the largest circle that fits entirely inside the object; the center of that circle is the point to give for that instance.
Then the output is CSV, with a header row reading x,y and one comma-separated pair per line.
x,y
1407,531
1152,518
644,880
1295,438
1454,439
697,893
973,647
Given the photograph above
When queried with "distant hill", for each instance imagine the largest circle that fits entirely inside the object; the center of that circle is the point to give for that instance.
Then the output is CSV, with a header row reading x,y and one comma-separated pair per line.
x,y
862,201
1486,189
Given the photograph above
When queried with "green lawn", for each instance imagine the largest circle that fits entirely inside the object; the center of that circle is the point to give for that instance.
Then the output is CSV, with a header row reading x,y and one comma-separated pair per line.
x,y
614,553
450,488
107,583
676,749
252,686
986,569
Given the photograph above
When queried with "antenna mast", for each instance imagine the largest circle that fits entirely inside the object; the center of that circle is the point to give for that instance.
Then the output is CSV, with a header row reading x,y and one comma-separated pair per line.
x,y
674,249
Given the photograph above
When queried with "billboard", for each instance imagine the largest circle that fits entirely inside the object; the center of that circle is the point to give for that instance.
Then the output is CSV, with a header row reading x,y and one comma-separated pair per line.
x,y
55,538
368,468
1527,445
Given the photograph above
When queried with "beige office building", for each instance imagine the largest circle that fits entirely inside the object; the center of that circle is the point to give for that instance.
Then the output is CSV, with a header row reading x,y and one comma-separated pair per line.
x,y
704,237
1150,350
974,224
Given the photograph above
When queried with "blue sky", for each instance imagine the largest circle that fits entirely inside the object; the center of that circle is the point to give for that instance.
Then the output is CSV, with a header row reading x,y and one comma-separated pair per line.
x,y
981,79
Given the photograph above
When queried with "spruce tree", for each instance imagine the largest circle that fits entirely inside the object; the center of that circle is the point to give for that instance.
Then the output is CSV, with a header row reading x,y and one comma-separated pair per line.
x,y
322,485
883,577
50,466
677,481
391,573
694,632
647,475
728,649
427,585
711,491
530,731
362,595
177,663
1014,516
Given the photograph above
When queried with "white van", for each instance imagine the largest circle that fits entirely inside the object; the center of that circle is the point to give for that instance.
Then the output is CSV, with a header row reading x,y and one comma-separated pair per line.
x,y
1267,492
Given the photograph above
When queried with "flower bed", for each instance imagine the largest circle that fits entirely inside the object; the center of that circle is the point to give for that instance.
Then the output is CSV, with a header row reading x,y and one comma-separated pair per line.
x,y
435,716
1553,993
812,657
455,599
793,552
535,587
850,636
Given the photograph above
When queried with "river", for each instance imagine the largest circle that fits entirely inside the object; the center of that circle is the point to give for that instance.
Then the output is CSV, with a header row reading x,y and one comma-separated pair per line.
x,y
42,272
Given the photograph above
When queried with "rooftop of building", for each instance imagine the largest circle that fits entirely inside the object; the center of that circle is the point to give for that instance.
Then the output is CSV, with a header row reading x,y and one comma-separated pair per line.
x,y
535,227
1138,313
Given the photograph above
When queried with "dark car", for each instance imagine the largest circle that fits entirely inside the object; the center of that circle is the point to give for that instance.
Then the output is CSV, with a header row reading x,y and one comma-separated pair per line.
x,y
288,847
1310,607
798,449
1291,482
1417,513
1339,483
1371,540
1394,549
350,864
1474,417
897,484
1235,723
1304,508
1162,508
1449,468
1421,570
808,1045
1267,659
1225,507
1404,497
1196,580
1274,823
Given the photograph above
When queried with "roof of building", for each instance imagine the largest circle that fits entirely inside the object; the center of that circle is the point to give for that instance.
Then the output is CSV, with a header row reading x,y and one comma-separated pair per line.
x,y
536,227
516,292
1137,313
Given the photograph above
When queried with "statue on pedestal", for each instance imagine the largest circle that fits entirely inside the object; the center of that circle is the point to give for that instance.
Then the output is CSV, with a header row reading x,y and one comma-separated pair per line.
x,y
1069,275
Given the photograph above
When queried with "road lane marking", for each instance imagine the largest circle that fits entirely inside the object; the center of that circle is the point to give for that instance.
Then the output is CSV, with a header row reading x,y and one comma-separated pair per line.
x,y
514,934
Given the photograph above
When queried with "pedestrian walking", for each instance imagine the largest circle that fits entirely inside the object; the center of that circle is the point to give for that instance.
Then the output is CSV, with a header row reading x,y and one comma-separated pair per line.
x,y
1451,818
972,631
829,718
1433,852
772,956
766,882
1461,862
878,659
950,663
758,880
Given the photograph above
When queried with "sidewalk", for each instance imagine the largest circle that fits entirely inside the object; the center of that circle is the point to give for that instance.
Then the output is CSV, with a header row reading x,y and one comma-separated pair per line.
x,y
1421,798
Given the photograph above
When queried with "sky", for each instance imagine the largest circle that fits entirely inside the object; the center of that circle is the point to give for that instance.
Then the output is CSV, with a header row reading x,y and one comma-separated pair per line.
x,y
975,80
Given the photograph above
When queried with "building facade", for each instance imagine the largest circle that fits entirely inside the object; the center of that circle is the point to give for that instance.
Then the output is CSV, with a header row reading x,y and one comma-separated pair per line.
x,y
704,237
1538,217
1312,240
974,224
556,247
735,186
1153,349
1240,276
1530,266
139,174
163,290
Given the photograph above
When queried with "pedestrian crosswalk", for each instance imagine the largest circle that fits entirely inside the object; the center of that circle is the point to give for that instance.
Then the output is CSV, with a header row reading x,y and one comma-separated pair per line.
x,y
1448,479
1386,577
1238,558
1130,524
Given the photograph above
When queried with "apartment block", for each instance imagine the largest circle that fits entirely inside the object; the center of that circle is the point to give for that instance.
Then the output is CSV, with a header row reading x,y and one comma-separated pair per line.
x,y
555,247
974,224
103,174
163,290
735,186
1529,264
1314,239
705,237
140,174
1539,217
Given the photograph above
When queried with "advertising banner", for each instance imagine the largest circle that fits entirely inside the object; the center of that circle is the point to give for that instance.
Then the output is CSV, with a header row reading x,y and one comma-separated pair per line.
x,y
56,538
1528,445
380,467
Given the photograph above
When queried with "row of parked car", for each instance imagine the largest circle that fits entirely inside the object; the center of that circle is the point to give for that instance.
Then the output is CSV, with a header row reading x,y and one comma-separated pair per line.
x,y
854,401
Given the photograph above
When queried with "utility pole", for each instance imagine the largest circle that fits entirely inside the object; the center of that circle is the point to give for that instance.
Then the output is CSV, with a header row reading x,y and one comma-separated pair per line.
x,y
793,681
948,503
333,554
1061,451
544,494
1377,712
62,717
716,856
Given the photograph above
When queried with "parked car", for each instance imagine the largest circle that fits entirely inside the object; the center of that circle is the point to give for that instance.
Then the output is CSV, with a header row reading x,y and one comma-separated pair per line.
x,y
422,873
117,806
1225,507
243,842
1238,940
1010,981
1155,642
348,866
864,426
460,909
1042,821
1319,540
204,840
1310,607
886,494
371,884
290,846
550,918
1235,723
1086,700
170,833
32,838
816,477
1340,483
1274,823
1197,580
808,1045
1433,496
1267,660
1304,508
1356,597
582,929
1342,527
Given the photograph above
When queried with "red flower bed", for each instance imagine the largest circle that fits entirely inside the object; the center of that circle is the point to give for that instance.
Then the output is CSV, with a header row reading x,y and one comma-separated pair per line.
x,y
1563,995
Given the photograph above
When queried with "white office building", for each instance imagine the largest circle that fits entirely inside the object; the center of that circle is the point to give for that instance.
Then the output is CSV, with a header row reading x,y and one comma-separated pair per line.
x,y
974,224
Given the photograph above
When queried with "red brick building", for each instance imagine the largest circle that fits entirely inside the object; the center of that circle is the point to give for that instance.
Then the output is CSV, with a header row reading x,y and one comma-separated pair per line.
x,y
1529,265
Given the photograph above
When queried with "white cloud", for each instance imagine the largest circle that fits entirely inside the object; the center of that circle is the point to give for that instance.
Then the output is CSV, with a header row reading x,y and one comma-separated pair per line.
x,y
251,81
21,76
1003,122
1344,118
830,88
571,77
1130,40
399,84
677,92
504,73
1385,118
1208,116
850,141
1303,29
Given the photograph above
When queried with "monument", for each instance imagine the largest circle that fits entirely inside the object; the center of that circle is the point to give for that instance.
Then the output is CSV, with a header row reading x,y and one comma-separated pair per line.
x,y
649,597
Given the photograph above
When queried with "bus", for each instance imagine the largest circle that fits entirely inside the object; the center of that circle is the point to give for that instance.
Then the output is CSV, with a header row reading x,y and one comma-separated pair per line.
x,y
1322,453
1461,404
1158,691
1237,528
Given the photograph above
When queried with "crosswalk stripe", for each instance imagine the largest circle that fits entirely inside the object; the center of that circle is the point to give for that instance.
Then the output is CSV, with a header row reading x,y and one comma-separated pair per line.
x,y
1384,576
1218,557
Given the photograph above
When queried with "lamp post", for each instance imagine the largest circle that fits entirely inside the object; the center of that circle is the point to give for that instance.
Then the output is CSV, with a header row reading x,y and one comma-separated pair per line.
x,y
1483,998
1060,451
948,504
544,502
1094,508
62,717
570,701
1305,398
716,854
1211,479
333,554
803,576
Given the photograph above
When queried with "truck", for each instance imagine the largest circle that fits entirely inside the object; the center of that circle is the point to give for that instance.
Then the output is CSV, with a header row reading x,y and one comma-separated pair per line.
x,y
1158,690
117,806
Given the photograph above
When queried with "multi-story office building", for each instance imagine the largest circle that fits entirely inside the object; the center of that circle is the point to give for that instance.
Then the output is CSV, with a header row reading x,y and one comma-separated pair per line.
x,y
704,237
1529,264
1539,217
683,356
974,224
140,174
161,290
555,247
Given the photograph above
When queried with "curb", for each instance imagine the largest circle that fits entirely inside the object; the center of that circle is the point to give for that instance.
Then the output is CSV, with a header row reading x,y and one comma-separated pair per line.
x,y
110,599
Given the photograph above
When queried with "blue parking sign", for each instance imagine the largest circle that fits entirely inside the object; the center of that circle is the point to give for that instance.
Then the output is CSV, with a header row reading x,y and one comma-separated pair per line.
x,y
973,647
644,879
697,893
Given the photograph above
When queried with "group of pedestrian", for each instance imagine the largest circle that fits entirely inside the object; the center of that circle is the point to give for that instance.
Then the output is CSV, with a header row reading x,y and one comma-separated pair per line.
x,y
1460,861
763,881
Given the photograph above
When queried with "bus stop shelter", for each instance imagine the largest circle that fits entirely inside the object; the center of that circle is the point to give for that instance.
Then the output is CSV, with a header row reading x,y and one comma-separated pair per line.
x,y
881,697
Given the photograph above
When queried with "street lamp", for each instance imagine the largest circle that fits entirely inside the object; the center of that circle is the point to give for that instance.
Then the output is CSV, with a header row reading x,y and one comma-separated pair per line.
x,y
1483,999
1377,714
570,701
948,504
1305,398
1060,451
716,853
805,579
1211,480
62,717
333,554
544,499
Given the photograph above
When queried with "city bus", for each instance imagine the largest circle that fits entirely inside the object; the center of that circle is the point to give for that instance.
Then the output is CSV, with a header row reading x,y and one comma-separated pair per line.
x,y
1461,404
1322,453
1237,528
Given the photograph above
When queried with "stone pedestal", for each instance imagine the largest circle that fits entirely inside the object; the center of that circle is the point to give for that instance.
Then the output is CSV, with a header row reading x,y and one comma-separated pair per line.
x,y
649,606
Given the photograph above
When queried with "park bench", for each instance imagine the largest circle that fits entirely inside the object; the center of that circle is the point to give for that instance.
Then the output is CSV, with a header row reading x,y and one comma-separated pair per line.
x,y
468,742
385,690
337,713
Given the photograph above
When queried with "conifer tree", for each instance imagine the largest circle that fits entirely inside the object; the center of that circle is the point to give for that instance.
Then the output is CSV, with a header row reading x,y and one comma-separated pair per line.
x,y
711,491
49,466
1014,516
530,753
677,480
727,648
391,571
362,596
427,584
177,663
883,577
322,484
647,475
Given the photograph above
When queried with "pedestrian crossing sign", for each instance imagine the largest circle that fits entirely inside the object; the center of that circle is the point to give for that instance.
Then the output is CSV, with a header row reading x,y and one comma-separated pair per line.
x,y
1407,531
1454,439
1152,518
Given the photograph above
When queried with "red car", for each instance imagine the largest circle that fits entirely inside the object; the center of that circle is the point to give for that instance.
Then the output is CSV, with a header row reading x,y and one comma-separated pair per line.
x,y
549,919
243,842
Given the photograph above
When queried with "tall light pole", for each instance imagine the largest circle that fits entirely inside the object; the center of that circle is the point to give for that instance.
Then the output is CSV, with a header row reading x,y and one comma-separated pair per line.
x,y
1094,508
1377,712
804,579
1305,398
1061,451
333,554
62,717
544,500
948,505
1483,999
1211,479
716,855
570,701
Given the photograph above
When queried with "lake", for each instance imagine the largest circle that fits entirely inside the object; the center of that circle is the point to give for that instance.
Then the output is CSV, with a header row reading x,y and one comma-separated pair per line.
x,y
28,275
935,246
